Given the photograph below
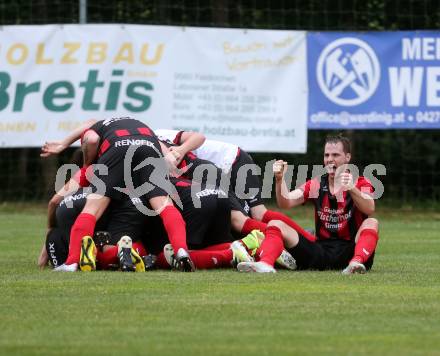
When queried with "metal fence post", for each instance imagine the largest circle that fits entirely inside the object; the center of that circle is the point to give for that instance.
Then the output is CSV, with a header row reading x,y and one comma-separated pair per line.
x,y
82,11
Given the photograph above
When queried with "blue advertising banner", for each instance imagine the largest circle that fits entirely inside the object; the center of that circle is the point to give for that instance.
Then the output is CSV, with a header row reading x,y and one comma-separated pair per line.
x,y
374,80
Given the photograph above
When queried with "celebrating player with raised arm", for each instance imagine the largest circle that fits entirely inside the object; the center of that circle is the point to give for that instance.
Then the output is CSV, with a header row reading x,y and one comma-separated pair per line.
x,y
347,234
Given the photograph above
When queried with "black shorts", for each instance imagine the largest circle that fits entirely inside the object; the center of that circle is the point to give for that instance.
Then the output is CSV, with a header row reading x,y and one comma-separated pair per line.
x,y
125,219
57,247
120,218
69,209
251,181
206,225
324,254
238,204
152,170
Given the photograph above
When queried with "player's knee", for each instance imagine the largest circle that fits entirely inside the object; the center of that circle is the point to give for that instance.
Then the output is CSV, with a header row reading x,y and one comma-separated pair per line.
x,y
289,235
96,205
237,220
258,212
371,223
277,223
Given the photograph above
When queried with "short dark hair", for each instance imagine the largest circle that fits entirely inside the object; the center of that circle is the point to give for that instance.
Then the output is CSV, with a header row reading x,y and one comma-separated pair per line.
x,y
346,144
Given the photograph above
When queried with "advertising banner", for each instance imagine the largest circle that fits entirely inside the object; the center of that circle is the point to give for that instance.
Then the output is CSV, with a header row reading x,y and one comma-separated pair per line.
x,y
247,87
374,80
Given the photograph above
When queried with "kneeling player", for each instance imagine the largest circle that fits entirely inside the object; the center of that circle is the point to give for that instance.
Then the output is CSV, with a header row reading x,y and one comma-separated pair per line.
x,y
114,248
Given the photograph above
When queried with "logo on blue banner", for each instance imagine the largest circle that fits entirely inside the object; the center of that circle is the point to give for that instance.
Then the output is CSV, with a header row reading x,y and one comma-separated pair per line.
x,y
374,80
348,71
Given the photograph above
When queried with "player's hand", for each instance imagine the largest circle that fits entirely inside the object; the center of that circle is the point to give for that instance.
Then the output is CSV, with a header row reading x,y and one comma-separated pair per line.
x,y
43,258
175,150
346,181
279,169
52,148
172,163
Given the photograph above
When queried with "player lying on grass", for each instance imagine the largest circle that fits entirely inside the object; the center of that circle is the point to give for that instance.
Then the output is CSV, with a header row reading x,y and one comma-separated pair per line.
x,y
233,161
247,224
206,226
107,142
346,233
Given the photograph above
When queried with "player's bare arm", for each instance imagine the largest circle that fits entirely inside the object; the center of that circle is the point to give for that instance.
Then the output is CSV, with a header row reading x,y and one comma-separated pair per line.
x,y
363,201
171,158
189,141
70,187
285,198
43,258
56,147
89,147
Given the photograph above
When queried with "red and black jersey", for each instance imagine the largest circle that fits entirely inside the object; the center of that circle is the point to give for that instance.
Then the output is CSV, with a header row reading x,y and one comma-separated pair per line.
x,y
115,130
118,137
336,216
189,164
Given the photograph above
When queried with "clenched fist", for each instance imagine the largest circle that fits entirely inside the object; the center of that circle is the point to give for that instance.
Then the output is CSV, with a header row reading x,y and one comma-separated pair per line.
x,y
346,181
279,169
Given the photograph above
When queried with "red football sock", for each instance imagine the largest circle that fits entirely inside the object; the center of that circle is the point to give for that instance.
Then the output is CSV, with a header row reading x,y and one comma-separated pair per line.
x,y
275,215
175,227
108,257
272,245
211,259
139,248
84,226
202,259
365,246
252,224
218,247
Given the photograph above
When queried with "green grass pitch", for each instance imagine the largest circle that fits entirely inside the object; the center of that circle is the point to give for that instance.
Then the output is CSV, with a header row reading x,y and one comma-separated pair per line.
x,y
394,309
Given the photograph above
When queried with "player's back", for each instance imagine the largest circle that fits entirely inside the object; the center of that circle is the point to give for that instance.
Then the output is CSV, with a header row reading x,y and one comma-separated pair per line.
x,y
116,128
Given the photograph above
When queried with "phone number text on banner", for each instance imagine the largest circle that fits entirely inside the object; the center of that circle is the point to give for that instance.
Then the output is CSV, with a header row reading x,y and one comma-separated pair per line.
x,y
375,80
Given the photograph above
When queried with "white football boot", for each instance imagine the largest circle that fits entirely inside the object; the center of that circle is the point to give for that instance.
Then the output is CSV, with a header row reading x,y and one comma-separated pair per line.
x,y
354,267
67,268
258,267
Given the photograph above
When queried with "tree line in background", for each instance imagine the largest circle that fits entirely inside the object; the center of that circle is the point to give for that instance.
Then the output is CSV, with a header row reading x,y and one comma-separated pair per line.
x,y
334,15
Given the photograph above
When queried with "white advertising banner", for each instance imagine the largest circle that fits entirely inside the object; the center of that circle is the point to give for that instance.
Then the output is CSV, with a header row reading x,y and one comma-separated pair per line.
x,y
247,87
